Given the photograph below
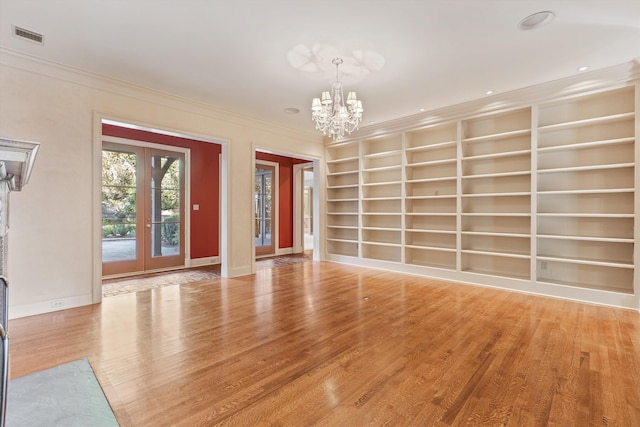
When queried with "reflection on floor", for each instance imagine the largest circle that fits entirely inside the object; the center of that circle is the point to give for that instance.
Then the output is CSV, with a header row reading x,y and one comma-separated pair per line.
x,y
111,287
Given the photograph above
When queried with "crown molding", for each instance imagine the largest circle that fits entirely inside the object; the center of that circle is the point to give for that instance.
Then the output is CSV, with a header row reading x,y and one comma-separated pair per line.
x,y
594,81
18,60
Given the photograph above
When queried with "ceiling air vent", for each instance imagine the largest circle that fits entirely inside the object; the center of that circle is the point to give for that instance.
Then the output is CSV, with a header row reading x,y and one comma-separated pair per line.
x,y
29,35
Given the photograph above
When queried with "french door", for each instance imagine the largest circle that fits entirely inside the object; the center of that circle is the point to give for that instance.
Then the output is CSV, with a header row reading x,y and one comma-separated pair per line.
x,y
264,208
142,209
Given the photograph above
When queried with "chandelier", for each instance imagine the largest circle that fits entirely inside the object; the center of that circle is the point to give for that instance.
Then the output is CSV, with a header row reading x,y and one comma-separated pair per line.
x,y
333,115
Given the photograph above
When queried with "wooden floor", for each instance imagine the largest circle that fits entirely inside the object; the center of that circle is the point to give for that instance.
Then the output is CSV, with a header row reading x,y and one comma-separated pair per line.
x,y
327,344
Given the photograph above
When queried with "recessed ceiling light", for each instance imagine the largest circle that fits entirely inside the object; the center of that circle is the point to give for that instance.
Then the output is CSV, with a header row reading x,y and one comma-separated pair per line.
x,y
489,92
422,110
292,110
536,20
583,68
371,122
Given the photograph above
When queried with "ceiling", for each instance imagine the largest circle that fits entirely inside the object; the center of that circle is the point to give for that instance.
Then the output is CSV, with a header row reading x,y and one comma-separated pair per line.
x,y
258,57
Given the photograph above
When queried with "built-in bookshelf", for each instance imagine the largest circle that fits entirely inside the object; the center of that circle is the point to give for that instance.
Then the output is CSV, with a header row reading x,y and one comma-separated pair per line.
x,y
381,192
539,198
343,198
496,187
431,188
585,200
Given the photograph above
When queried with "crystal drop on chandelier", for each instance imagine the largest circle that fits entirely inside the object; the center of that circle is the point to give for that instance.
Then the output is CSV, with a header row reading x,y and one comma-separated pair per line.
x,y
333,116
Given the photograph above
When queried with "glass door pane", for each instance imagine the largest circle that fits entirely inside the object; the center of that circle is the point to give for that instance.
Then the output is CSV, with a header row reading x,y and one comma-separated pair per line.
x,y
121,249
165,206
264,196
118,206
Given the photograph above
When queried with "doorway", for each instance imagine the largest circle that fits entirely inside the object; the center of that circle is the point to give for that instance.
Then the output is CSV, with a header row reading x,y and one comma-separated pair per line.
x,y
265,207
143,199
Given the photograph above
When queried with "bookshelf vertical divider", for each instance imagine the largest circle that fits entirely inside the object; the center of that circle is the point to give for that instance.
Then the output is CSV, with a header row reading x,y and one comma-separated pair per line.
x,y
534,192
403,206
459,196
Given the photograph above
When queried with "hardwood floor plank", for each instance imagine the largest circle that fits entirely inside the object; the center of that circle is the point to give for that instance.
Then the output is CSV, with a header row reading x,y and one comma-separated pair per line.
x,y
326,344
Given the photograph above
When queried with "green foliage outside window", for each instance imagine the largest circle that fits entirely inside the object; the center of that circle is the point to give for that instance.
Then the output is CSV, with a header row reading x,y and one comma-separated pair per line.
x,y
171,230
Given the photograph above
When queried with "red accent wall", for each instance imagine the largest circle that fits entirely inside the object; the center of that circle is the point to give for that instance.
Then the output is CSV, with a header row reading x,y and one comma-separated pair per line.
x,y
285,195
205,187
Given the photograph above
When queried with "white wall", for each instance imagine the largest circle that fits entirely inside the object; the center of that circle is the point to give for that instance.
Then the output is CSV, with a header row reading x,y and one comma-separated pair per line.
x,y
52,251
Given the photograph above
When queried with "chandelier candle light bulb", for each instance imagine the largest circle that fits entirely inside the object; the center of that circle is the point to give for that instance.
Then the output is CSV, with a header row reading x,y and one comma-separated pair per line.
x,y
332,115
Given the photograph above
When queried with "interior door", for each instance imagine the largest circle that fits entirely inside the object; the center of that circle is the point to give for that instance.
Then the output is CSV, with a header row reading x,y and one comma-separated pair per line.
x,y
265,206
142,209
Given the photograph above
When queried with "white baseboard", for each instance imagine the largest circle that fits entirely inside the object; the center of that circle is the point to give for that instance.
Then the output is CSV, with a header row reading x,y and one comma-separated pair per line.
x,y
25,310
201,262
239,271
284,251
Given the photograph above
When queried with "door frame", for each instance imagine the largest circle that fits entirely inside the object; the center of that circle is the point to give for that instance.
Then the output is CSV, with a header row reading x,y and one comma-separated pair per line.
x,y
298,206
186,213
318,196
99,118
275,214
